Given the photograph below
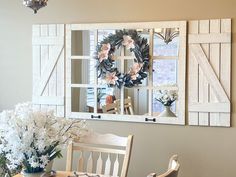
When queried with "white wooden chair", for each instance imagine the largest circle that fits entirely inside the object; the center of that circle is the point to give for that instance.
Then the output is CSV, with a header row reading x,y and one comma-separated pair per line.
x,y
110,150
173,168
110,108
128,107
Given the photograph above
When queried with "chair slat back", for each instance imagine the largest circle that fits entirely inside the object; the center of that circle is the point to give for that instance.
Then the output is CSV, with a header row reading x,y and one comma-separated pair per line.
x,y
108,148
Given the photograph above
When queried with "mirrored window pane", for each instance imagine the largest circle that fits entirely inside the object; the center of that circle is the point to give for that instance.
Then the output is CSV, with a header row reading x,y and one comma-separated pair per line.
x,y
82,99
136,101
83,71
82,43
157,107
166,42
164,72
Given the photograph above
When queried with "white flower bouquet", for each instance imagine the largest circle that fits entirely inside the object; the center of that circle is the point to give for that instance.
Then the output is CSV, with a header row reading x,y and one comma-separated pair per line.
x,y
166,97
32,138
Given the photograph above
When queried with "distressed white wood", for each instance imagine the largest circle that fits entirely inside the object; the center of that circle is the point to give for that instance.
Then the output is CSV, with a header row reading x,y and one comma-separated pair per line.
x,y
212,101
209,38
48,100
215,63
99,164
107,147
116,166
52,83
203,84
225,69
108,165
209,72
41,85
48,56
209,107
80,163
181,25
193,77
90,163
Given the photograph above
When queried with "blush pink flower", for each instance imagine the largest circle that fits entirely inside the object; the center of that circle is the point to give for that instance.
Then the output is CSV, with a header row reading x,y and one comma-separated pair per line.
x,y
102,55
111,78
106,47
134,70
128,42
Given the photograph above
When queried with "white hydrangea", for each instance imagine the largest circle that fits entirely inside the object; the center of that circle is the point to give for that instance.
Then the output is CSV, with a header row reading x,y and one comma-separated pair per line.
x,y
166,97
27,135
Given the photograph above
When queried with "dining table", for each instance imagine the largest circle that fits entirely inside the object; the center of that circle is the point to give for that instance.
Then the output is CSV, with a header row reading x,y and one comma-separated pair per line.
x,y
69,174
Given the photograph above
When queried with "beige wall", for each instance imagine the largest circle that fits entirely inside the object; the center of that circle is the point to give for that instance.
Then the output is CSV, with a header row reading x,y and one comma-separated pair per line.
x,y
204,152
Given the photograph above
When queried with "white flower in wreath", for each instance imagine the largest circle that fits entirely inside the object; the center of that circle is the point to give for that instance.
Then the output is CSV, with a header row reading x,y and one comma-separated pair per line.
x,y
106,47
111,78
102,55
128,42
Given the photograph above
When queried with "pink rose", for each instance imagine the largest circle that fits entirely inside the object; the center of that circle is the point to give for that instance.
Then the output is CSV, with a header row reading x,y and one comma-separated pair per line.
x,y
106,47
128,42
111,78
102,55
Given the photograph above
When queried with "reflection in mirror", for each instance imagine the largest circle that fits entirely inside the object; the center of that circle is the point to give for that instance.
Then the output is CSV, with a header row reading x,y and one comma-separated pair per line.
x,y
164,72
82,99
136,101
83,71
82,43
106,98
128,64
166,42
157,107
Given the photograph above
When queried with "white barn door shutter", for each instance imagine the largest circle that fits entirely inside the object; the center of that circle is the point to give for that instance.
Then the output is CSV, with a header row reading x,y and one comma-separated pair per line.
x,y
209,72
48,67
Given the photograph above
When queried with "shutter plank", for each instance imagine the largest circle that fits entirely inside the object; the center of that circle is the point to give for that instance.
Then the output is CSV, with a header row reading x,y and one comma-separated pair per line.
x,y
60,74
52,84
193,77
215,63
225,69
44,60
203,83
36,51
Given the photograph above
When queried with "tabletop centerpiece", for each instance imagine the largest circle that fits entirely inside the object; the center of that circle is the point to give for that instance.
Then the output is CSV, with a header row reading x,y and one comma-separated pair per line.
x,y
31,139
167,98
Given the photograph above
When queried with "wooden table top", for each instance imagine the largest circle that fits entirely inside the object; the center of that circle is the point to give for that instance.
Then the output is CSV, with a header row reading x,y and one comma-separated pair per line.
x,y
66,174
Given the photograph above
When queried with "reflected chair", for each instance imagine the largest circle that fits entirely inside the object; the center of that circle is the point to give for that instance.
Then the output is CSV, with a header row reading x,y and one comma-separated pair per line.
x,y
173,168
104,154
128,107
110,108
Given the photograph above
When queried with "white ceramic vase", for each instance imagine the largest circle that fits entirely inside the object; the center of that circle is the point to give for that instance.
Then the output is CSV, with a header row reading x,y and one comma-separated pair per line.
x,y
167,112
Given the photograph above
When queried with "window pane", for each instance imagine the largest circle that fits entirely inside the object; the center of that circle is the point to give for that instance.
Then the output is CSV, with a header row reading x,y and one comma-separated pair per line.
x,y
161,48
83,71
165,72
82,99
136,101
82,43
157,107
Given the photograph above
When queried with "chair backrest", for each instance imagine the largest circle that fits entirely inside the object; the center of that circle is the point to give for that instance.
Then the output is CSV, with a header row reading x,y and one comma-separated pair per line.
x,y
128,107
109,150
110,108
173,168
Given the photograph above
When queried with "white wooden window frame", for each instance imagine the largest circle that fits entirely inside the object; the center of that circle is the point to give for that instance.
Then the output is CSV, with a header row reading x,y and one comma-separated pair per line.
x,y
181,74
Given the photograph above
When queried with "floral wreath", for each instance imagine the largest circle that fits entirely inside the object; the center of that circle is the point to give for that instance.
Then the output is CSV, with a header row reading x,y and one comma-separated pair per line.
x,y
106,60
